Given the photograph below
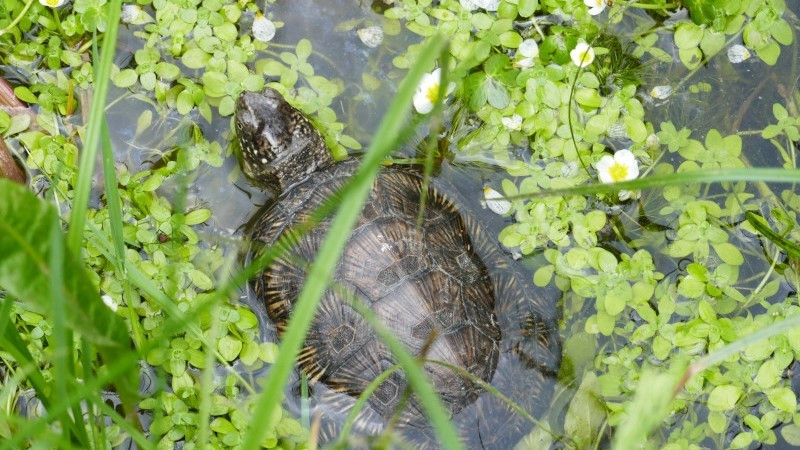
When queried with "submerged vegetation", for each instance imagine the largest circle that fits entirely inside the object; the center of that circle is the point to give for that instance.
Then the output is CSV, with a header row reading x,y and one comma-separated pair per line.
x,y
642,159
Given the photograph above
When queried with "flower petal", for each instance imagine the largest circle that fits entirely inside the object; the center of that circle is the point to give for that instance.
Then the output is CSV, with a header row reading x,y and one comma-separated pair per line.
x,y
421,102
495,201
528,48
625,157
603,167
370,36
263,28
582,55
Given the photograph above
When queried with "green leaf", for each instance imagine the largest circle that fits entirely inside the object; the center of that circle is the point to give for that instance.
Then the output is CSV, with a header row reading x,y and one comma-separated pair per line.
x,y
543,275
125,78
636,129
167,71
214,84
201,280
712,43
717,421
226,106
589,98
510,39
586,413
25,94
496,94
195,58
782,32
769,53
724,398
197,216
303,49
526,8
791,434
691,57
742,440
729,253
688,36
783,399
229,347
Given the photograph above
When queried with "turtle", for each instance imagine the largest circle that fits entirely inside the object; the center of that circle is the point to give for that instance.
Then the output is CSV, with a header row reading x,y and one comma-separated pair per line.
x,y
444,287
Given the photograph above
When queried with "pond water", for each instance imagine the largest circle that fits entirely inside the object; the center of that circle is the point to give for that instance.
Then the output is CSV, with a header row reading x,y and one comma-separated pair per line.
x,y
734,98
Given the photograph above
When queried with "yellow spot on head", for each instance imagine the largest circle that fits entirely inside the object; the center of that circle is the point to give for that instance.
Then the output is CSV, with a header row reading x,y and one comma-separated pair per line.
x,y
618,172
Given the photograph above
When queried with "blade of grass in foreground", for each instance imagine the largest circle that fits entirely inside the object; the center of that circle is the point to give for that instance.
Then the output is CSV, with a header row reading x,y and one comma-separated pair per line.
x,y
102,82
63,366
320,272
773,175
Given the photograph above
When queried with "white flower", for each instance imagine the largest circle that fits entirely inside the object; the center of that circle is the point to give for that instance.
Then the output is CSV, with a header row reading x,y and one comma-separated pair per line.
x,y
528,49
263,28
512,123
495,201
582,55
738,53
52,3
489,5
661,92
110,302
131,12
469,5
595,6
371,36
428,91
620,167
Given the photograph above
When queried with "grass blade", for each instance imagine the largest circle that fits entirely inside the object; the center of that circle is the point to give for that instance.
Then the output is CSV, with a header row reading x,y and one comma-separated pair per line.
x,y
102,80
700,176
321,270
112,200
63,367
760,224
28,245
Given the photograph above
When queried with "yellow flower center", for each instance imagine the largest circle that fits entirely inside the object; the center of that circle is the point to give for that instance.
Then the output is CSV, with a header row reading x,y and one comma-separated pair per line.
x,y
52,3
618,172
433,93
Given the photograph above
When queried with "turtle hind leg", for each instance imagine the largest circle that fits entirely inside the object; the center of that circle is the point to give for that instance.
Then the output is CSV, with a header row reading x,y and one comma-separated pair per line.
x,y
527,314
527,317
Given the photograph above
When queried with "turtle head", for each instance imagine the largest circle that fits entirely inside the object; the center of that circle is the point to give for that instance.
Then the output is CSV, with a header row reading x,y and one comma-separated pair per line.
x,y
279,145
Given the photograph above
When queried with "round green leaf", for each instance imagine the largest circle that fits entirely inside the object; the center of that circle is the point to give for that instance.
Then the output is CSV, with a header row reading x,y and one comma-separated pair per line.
x,y
724,397
125,78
